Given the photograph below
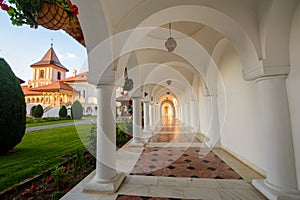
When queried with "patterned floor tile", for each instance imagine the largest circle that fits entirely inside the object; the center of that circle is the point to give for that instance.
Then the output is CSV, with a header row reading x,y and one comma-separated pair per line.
x,y
182,162
171,137
130,197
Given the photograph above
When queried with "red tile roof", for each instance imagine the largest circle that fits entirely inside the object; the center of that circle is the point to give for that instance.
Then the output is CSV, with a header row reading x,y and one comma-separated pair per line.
x,y
56,86
28,91
50,58
79,77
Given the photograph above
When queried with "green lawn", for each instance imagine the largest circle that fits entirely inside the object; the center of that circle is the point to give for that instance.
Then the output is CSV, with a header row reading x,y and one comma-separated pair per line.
x,y
48,123
39,151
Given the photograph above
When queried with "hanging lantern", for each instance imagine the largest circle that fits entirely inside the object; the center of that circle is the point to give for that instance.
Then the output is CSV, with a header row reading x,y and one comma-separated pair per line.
x,y
170,44
128,84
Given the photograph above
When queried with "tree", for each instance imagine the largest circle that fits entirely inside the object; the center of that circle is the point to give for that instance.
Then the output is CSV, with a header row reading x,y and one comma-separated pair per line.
x,y
63,112
12,109
76,110
38,111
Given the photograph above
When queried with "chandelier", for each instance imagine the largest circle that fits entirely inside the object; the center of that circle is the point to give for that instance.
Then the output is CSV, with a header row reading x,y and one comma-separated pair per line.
x,y
170,44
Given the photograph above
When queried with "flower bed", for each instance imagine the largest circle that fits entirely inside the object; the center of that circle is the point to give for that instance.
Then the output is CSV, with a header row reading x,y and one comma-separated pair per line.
x,y
54,183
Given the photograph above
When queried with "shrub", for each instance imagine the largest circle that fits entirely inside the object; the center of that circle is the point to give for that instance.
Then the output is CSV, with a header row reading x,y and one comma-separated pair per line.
x,y
92,139
38,111
63,112
121,137
76,110
12,109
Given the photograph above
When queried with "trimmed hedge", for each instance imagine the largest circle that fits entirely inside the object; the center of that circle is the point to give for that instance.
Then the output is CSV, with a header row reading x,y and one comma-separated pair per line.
x,y
12,109
38,111
76,110
63,112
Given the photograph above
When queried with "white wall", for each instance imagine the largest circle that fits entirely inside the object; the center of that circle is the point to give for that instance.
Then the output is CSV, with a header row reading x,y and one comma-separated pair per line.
x,y
293,88
241,134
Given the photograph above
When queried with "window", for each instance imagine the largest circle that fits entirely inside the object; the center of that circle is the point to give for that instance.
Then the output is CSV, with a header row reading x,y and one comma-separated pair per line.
x,y
83,94
58,75
42,74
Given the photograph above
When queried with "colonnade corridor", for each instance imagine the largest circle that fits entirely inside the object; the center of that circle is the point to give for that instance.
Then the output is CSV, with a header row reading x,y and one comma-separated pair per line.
x,y
172,164
176,151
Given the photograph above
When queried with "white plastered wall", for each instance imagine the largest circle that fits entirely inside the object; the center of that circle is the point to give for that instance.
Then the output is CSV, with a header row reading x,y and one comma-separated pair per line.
x,y
293,86
241,134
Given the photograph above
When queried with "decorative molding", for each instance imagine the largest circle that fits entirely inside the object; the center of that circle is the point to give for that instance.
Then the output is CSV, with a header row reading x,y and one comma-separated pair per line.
x,y
265,71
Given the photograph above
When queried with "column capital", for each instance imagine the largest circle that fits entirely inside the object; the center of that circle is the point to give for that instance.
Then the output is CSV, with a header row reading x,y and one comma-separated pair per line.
x,y
105,85
271,77
265,71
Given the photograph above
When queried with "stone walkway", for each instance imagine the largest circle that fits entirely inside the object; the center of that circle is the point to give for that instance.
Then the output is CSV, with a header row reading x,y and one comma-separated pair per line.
x,y
38,128
158,185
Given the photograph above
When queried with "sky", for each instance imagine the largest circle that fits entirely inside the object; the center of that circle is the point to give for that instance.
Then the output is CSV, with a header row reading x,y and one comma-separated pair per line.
x,y
22,46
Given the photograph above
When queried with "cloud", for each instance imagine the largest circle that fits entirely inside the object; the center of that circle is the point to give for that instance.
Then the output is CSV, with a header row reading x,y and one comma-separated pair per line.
x,y
70,55
65,56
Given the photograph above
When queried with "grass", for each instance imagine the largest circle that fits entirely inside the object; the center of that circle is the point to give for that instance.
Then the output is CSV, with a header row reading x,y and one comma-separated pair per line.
x,y
89,116
49,123
126,127
40,151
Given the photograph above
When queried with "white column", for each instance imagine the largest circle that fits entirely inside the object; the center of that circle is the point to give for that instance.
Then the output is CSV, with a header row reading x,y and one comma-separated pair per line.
x,y
151,113
157,114
154,115
195,119
106,178
137,139
146,117
182,114
281,180
158,111
187,114
214,126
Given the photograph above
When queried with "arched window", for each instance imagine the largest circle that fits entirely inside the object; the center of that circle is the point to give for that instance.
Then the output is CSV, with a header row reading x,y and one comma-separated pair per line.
x,y
58,76
42,73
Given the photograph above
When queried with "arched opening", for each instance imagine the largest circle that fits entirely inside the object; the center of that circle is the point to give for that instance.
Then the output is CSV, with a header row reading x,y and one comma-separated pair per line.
x,y
58,75
42,74
89,110
167,109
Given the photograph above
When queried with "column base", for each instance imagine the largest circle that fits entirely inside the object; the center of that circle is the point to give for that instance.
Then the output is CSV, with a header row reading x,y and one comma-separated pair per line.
x,y
147,133
273,192
147,130
137,142
107,187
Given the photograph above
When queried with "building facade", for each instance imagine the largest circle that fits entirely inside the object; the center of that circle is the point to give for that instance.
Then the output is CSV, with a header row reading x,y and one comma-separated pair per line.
x,y
50,88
